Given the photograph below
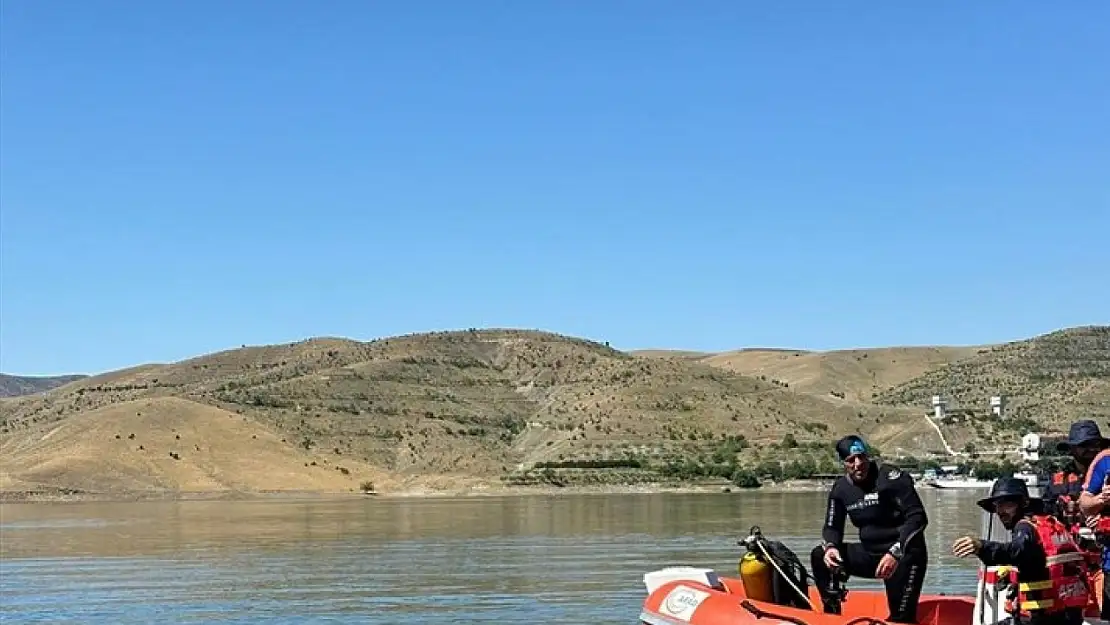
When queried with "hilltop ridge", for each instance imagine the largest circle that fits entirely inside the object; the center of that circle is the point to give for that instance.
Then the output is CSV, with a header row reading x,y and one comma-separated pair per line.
x,y
18,385
856,374
485,406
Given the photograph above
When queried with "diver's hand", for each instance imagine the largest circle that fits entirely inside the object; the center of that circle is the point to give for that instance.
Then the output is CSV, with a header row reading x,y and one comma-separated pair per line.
x,y
886,567
832,557
966,546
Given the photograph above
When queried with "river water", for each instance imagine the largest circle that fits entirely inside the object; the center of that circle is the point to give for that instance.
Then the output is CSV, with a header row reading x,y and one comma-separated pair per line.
x,y
519,559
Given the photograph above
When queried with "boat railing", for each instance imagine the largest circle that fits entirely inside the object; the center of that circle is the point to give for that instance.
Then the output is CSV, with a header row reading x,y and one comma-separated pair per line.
x,y
990,596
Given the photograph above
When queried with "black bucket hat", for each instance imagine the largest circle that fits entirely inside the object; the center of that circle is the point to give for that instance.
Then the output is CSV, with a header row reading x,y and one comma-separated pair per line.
x,y
1007,488
1081,432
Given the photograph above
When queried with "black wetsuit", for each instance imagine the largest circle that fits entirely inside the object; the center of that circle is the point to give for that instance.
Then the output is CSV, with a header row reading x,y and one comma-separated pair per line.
x,y
891,519
1025,553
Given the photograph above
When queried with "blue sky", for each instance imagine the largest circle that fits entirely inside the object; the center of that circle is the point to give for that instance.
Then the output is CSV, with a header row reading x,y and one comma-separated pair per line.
x,y
182,177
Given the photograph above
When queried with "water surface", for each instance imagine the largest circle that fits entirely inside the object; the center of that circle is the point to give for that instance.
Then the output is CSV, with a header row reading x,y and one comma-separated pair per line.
x,y
534,559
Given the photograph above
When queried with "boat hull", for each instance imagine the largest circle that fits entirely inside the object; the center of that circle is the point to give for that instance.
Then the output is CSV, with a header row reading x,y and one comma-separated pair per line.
x,y
683,602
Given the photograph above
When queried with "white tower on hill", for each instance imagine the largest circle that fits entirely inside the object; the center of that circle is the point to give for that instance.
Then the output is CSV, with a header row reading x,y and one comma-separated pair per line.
x,y
1031,447
939,406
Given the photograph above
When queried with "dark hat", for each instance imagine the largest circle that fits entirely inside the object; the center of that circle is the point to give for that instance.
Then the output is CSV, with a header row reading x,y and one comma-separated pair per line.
x,y
1081,432
1007,488
849,446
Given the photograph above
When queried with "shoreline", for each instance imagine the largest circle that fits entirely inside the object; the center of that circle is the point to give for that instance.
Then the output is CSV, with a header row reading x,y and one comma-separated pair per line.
x,y
64,495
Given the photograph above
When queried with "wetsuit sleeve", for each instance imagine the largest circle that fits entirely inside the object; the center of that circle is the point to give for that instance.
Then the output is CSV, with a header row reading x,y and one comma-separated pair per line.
x,y
1021,551
832,533
913,511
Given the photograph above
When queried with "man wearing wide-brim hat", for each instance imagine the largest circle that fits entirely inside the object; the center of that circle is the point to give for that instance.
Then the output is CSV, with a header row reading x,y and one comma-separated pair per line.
x,y
1083,433
1062,488
1021,514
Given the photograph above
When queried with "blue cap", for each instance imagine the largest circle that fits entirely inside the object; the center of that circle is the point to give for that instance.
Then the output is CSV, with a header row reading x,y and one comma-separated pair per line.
x,y
849,446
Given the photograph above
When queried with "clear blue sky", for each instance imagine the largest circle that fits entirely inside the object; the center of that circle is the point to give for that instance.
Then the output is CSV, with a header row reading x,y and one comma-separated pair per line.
x,y
182,177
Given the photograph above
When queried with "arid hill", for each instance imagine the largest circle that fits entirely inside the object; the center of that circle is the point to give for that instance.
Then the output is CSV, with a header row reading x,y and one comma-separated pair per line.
x,y
440,409
470,404
856,374
18,385
168,444
1047,382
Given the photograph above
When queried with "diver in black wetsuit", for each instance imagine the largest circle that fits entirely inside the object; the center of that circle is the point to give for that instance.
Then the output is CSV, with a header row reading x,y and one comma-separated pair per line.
x,y
882,502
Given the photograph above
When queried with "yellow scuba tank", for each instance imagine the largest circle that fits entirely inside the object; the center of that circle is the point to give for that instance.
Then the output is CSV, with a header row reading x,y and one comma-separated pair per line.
x,y
755,571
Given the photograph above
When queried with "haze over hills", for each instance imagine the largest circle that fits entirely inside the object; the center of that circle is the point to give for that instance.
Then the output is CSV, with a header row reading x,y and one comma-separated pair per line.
x,y
474,407
16,385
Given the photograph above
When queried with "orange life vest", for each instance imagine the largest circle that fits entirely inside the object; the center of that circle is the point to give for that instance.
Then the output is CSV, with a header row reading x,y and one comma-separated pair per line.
x,y
1067,585
1067,486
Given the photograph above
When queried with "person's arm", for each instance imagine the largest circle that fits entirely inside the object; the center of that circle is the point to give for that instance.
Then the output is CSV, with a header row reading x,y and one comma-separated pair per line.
x,y
916,520
832,533
1089,501
1019,552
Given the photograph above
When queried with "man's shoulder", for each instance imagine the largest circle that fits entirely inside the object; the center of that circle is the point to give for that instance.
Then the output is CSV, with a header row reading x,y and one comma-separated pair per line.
x,y
1025,526
890,473
841,483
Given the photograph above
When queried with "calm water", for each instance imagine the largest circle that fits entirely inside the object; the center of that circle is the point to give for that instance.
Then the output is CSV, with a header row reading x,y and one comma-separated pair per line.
x,y
538,559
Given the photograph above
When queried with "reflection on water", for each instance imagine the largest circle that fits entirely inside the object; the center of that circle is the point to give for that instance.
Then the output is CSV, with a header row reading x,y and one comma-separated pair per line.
x,y
577,558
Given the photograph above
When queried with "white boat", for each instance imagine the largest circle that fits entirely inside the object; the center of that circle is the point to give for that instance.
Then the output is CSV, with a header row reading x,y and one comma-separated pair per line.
x,y
958,482
1030,480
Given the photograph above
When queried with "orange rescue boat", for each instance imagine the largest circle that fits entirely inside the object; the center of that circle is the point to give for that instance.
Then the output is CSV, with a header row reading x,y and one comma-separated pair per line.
x,y
700,597
772,590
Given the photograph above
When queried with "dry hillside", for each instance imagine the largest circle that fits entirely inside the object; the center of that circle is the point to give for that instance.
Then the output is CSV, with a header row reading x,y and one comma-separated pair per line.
x,y
1047,381
479,405
475,404
168,444
18,385
852,374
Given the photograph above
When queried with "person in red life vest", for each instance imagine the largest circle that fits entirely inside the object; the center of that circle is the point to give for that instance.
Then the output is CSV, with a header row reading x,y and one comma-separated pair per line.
x,y
1062,488
1094,502
1050,571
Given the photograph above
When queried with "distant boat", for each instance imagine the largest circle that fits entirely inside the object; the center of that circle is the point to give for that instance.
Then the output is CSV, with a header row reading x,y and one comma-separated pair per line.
x,y
1030,480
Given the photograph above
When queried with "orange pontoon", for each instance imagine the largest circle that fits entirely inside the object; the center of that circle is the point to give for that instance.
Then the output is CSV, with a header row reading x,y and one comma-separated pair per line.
x,y
713,600
695,596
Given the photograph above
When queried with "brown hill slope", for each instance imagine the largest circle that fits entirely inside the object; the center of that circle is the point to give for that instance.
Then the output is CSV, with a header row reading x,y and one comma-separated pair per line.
x,y
472,403
18,385
1048,381
853,374
168,444
856,374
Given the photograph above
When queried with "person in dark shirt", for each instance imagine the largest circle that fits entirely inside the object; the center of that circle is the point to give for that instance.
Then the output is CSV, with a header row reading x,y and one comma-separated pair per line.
x,y
882,502
1031,530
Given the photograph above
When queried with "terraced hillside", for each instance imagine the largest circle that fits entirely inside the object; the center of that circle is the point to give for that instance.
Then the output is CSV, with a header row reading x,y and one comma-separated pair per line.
x,y
474,407
475,404
1048,381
